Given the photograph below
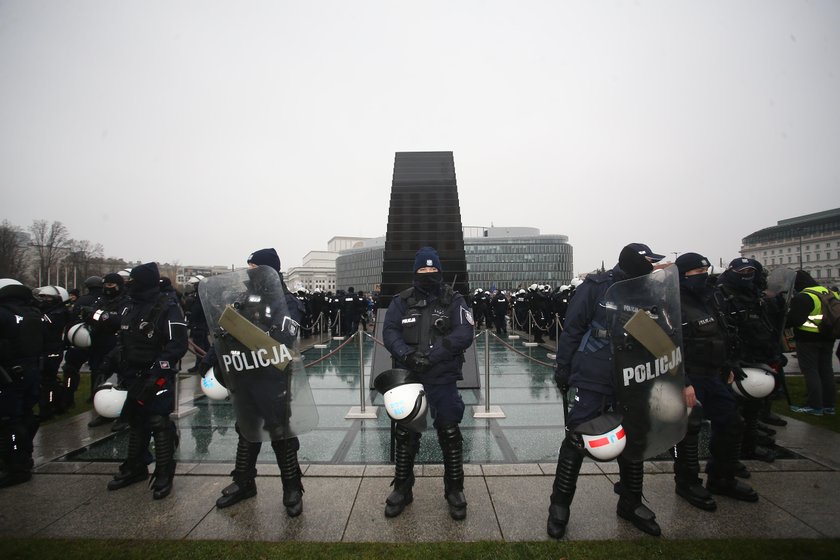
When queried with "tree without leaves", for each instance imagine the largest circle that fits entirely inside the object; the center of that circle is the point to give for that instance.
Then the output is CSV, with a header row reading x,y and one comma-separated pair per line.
x,y
13,244
50,241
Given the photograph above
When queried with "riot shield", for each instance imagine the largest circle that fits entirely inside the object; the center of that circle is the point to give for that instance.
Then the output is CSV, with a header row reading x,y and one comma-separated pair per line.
x,y
257,352
645,329
780,283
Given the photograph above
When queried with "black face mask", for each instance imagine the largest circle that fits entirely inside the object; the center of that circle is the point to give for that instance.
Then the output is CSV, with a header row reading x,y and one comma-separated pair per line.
x,y
110,292
746,279
428,282
695,283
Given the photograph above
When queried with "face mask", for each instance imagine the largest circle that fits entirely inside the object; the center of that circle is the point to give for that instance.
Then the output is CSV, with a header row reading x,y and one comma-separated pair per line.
x,y
110,291
429,282
696,282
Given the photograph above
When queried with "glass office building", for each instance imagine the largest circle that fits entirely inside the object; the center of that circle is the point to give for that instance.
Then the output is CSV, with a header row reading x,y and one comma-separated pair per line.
x,y
500,258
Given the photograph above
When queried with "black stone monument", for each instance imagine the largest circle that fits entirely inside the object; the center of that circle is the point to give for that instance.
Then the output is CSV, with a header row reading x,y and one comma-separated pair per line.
x,y
424,211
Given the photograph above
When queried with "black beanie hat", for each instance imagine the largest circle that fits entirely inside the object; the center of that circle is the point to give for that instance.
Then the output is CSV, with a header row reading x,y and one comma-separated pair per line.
x,y
145,275
113,278
267,257
427,256
690,261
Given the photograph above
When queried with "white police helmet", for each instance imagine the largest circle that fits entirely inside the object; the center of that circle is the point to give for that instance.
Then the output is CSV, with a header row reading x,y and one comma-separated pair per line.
x,y
404,398
211,387
53,292
602,438
195,279
758,383
79,335
9,287
576,282
108,400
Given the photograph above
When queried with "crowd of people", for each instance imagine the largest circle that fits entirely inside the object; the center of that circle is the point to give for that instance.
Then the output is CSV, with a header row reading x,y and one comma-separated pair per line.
x,y
133,328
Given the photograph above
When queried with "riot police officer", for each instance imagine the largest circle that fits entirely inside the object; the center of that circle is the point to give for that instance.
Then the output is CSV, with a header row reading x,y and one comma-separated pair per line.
x,y
52,301
427,329
584,363
22,335
152,339
264,394
708,365
499,308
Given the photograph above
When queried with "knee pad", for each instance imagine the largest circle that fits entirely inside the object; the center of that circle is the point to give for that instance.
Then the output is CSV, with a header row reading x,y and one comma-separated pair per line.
x,y
159,423
450,433
695,419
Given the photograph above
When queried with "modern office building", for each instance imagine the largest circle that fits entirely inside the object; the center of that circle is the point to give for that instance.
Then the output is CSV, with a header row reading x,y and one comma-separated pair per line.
x,y
810,242
317,272
497,257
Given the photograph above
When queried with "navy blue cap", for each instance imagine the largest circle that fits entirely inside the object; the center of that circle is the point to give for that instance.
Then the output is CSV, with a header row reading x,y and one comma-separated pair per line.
x,y
645,251
690,261
742,263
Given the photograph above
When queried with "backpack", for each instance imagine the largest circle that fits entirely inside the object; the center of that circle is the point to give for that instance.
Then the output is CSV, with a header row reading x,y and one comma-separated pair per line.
x,y
830,304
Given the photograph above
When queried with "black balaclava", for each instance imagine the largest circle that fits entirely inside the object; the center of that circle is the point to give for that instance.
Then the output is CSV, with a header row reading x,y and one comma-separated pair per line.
x,y
112,278
632,263
145,282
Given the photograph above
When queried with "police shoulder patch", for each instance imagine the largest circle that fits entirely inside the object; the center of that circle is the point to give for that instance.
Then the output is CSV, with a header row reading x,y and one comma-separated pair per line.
x,y
467,316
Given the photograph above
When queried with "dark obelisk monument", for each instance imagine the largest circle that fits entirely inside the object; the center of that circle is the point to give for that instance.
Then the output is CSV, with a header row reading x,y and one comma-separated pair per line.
x,y
424,211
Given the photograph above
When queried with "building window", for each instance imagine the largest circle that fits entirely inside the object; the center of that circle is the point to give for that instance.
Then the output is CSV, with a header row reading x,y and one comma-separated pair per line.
x,y
817,246
807,258
817,257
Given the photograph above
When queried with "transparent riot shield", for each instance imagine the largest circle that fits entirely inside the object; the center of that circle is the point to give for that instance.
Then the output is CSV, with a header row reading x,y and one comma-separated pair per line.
x,y
779,292
645,329
256,349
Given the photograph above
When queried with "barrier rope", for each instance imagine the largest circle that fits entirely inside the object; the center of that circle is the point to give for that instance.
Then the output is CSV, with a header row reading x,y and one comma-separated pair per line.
x,y
508,346
333,353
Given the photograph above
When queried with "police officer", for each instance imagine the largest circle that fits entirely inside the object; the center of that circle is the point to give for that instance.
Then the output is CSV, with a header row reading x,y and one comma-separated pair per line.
x,y
708,368
196,322
427,329
479,307
520,310
152,339
22,336
104,316
758,339
584,362
264,403
52,302
499,307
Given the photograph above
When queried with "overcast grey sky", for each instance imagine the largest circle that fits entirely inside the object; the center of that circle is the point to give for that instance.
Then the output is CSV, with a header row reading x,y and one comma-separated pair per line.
x,y
198,131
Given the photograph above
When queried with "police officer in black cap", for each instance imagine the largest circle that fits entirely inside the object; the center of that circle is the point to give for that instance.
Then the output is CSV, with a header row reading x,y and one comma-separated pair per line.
x,y
707,359
427,329
22,338
584,362
262,401
152,339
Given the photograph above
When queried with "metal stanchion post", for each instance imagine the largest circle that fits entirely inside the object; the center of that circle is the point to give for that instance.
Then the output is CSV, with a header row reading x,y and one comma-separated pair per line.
x,y
338,326
489,411
189,407
530,336
359,411
553,355
321,344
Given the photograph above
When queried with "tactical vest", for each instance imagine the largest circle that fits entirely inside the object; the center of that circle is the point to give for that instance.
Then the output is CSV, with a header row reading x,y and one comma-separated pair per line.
x,y
704,340
423,322
142,341
758,338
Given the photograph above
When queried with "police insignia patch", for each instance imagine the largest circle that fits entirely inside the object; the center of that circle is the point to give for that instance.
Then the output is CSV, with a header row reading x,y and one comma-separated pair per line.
x,y
467,316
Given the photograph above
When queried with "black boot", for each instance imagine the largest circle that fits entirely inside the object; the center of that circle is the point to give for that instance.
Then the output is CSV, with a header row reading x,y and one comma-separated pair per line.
x,y
569,461
687,467
16,451
164,474
750,443
133,469
630,506
286,452
244,473
407,444
452,445
723,466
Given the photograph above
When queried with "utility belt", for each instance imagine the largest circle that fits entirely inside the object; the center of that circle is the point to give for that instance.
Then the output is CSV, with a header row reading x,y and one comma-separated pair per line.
x,y
596,338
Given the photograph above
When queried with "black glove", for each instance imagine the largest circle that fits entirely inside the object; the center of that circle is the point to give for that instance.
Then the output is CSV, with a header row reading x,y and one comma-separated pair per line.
x,y
418,362
203,368
740,375
561,377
